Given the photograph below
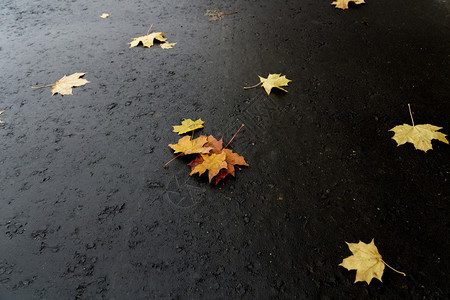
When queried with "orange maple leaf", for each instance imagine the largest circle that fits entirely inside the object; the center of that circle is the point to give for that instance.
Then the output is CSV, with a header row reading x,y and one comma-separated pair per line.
x,y
216,148
213,163
198,160
215,144
213,156
232,159
187,146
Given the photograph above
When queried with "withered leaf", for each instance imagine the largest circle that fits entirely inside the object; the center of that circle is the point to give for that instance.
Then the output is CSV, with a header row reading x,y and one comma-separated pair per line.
x,y
215,144
217,15
232,160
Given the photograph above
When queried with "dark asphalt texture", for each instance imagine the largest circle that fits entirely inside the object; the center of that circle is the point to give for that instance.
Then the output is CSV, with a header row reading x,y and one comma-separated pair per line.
x,y
88,212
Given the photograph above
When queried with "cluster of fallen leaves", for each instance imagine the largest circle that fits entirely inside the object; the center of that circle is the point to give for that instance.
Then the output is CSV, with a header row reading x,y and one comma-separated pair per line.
x,y
419,135
211,156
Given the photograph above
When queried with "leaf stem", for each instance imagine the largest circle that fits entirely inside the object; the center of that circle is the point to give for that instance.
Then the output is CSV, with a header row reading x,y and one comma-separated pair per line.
x,y
181,154
410,113
392,267
234,136
149,29
40,87
250,87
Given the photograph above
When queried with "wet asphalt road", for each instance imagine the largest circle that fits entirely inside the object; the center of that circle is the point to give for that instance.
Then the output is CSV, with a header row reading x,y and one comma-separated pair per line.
x,y
88,212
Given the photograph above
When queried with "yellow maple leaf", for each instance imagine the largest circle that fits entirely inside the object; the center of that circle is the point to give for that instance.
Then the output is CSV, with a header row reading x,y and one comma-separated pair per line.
x,y
187,146
188,125
65,84
343,4
168,45
104,16
213,163
1,111
418,135
148,40
367,262
272,81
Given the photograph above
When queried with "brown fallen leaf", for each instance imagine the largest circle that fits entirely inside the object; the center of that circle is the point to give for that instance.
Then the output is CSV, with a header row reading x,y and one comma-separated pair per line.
x,y
65,84
232,159
1,111
198,160
367,262
343,4
418,135
216,145
217,15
